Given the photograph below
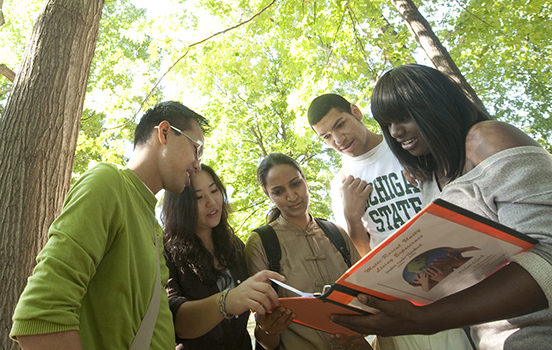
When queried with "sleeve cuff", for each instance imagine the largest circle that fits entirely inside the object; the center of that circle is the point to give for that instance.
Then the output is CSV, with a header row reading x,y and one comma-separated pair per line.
x,y
539,269
36,327
174,304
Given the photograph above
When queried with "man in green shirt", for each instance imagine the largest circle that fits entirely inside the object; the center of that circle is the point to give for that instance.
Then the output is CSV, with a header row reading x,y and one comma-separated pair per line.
x,y
95,277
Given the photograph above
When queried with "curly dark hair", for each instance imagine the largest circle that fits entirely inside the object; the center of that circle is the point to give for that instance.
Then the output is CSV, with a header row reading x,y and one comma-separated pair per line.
x,y
184,247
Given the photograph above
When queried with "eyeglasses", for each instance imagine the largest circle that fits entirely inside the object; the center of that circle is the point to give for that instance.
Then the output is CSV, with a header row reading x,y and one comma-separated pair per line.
x,y
199,148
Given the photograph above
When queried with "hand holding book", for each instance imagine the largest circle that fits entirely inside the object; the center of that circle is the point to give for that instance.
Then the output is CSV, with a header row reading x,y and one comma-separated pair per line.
x,y
442,250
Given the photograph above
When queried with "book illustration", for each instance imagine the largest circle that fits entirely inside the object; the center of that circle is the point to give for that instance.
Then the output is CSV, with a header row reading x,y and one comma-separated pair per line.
x,y
434,265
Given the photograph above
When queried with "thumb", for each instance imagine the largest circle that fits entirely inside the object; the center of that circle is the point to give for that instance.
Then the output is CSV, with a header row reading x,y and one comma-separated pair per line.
x,y
368,189
375,304
265,275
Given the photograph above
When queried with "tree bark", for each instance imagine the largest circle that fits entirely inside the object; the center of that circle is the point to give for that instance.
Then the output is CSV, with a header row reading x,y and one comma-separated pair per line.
x,y
38,134
434,49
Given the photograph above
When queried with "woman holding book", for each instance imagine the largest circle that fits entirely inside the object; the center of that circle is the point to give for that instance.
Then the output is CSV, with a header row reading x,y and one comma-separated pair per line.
x,y
209,291
309,260
454,149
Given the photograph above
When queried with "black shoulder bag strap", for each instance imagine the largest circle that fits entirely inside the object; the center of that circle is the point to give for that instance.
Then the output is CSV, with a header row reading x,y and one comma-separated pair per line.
x,y
336,238
271,243
271,246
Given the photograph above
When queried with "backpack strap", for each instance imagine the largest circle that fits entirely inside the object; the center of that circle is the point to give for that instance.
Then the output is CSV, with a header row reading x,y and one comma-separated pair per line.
x,y
272,249
336,238
271,246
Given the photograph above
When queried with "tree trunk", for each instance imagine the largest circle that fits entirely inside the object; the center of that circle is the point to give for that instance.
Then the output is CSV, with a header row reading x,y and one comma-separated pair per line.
x,y
434,49
1,13
38,134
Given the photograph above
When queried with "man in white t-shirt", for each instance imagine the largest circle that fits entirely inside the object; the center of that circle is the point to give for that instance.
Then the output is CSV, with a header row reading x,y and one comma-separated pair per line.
x,y
371,197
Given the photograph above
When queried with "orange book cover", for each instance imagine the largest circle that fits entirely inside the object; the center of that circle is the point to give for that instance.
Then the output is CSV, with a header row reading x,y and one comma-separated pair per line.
x,y
315,313
440,251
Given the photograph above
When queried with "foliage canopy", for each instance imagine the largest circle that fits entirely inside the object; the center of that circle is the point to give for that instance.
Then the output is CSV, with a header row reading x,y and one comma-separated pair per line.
x,y
266,60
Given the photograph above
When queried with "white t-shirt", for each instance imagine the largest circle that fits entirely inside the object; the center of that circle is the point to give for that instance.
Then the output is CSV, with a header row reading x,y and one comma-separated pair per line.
x,y
393,200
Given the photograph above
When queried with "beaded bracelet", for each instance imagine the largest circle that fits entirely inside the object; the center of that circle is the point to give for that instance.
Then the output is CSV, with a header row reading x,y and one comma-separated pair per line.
x,y
222,305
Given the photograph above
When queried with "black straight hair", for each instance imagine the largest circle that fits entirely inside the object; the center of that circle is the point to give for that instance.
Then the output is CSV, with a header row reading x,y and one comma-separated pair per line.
x,y
441,110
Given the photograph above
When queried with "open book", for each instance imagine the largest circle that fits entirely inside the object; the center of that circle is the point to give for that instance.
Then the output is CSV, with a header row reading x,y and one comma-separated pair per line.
x,y
440,251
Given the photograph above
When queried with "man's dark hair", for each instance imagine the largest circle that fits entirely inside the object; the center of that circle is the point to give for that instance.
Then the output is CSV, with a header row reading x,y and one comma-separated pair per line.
x,y
321,105
174,112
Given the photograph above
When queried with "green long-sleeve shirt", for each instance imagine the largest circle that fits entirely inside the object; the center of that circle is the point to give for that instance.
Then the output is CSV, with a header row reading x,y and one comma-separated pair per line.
x,y
96,273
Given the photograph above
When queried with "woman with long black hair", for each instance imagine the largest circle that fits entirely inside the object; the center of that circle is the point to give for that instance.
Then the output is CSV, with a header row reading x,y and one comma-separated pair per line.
x,y
209,291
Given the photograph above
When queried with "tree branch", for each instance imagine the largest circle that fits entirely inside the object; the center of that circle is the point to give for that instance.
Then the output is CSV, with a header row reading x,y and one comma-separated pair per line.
x,y
247,219
335,35
195,44
480,19
181,58
258,135
8,73
434,49
360,44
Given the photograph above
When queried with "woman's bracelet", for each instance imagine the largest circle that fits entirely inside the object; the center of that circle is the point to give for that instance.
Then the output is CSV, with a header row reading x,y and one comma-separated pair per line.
x,y
222,305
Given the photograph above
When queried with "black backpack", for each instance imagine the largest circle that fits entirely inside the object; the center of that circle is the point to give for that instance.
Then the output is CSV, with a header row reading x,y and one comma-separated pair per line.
x,y
271,243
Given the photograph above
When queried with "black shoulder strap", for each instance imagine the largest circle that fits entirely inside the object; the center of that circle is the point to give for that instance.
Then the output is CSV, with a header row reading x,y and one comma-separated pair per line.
x,y
271,246
336,238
